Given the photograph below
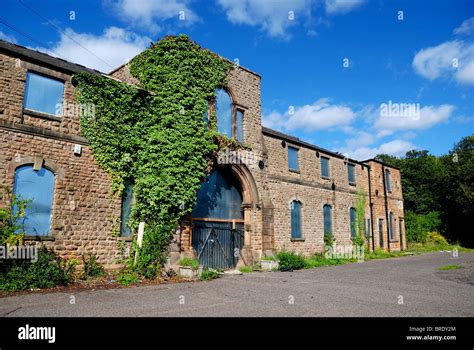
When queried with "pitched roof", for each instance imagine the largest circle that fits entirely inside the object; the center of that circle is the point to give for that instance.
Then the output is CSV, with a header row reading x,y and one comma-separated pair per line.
x,y
45,59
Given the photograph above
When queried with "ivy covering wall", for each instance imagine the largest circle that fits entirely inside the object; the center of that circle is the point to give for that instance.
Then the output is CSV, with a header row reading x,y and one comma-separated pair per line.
x,y
156,135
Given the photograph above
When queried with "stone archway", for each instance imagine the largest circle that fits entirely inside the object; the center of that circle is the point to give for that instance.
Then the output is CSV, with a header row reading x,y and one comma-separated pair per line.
x,y
241,177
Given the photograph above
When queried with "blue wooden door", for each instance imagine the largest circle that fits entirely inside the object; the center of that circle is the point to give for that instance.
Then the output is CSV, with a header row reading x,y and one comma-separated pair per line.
x,y
218,230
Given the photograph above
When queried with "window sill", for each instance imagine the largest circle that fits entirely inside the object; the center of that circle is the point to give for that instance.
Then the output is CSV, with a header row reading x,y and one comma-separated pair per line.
x,y
394,241
297,239
352,183
325,177
126,239
294,171
38,238
47,116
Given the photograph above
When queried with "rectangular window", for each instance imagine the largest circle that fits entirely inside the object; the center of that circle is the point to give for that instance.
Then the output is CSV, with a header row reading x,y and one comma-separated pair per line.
x,y
351,173
400,232
324,167
296,220
391,233
43,94
293,163
388,181
240,121
127,202
353,221
381,233
367,229
327,216
400,228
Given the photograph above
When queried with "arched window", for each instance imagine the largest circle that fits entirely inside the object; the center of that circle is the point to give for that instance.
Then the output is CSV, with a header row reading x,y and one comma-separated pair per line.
x,y
219,197
353,221
229,119
392,235
296,231
224,112
35,186
126,209
327,214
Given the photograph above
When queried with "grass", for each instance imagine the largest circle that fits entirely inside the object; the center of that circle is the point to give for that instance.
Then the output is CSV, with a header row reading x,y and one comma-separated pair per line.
x,y
270,258
449,267
189,262
419,248
246,269
381,254
318,260
209,274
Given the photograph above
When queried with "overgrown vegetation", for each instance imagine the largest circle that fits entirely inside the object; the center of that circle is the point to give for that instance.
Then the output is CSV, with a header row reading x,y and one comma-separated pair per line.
x,y
189,262
209,274
90,267
48,271
269,258
291,260
246,269
127,277
11,232
317,260
438,192
156,135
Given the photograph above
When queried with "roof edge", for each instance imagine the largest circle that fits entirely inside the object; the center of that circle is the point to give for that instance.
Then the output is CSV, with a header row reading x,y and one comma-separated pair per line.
x,y
380,162
45,59
297,141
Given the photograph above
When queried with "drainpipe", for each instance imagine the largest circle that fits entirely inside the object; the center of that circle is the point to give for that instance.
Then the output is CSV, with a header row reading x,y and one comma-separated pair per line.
x,y
371,211
386,207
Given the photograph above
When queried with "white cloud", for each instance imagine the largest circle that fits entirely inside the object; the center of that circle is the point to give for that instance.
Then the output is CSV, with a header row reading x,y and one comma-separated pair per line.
x,y
7,37
361,139
428,116
342,6
317,116
147,13
114,47
452,57
272,16
466,27
466,74
395,148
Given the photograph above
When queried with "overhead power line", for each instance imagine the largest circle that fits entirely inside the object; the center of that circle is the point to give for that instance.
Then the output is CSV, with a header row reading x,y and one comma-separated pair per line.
x,y
63,32
19,31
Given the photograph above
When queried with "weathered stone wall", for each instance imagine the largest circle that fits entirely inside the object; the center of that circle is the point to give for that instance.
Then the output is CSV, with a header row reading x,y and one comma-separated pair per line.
x,y
394,201
84,216
313,191
86,219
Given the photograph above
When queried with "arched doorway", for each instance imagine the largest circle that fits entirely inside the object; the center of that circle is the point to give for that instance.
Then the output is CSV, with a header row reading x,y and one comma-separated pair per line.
x,y
218,221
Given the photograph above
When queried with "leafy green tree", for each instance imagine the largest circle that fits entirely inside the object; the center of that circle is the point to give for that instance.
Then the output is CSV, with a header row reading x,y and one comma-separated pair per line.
x,y
457,191
438,191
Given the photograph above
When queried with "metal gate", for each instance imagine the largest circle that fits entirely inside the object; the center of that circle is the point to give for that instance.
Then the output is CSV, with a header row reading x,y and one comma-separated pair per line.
x,y
218,244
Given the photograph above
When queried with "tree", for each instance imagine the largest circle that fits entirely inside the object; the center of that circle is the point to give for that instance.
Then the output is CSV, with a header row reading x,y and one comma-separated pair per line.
x,y
457,191
438,187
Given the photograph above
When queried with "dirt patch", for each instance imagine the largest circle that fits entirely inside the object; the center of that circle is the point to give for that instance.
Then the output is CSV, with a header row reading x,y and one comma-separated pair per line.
x,y
108,282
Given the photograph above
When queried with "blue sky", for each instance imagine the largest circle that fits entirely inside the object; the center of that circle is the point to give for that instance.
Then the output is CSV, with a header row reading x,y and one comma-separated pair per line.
x,y
327,66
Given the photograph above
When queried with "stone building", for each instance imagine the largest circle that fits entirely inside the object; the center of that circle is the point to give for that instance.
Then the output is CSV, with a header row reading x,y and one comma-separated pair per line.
x,y
285,194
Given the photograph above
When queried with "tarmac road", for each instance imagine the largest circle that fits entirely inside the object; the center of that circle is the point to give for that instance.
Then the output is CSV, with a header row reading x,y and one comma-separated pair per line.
x,y
406,286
